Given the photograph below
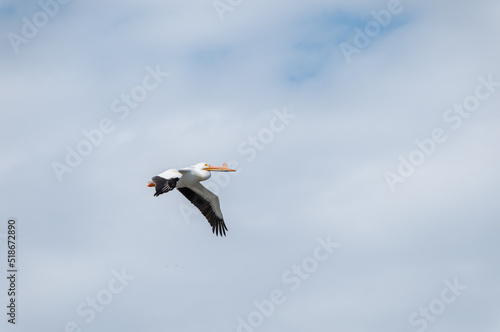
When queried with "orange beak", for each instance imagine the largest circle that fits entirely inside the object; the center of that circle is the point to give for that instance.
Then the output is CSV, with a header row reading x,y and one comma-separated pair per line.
x,y
224,168
151,184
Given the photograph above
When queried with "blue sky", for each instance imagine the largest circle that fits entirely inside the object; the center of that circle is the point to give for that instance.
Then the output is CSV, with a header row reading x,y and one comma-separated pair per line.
x,y
326,149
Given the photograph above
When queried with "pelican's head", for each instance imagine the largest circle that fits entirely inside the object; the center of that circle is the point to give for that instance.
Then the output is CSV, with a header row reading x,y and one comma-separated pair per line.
x,y
207,167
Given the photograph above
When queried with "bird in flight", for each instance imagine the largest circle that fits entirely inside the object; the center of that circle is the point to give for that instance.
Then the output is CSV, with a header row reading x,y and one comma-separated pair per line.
x,y
187,181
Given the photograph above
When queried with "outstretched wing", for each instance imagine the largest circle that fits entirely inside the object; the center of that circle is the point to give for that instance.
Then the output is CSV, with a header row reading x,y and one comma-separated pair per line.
x,y
208,203
166,181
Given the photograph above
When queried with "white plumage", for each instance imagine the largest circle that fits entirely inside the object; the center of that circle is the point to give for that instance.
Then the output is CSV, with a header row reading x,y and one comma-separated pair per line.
x,y
187,181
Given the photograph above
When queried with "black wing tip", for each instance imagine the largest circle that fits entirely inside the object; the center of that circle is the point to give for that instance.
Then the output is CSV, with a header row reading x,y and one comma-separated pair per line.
x,y
219,229
163,185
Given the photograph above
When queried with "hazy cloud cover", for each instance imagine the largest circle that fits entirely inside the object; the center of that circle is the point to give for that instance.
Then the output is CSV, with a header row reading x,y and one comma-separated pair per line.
x,y
366,196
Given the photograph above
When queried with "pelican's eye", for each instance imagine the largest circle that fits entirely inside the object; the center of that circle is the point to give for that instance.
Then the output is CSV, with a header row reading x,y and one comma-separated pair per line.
x,y
206,165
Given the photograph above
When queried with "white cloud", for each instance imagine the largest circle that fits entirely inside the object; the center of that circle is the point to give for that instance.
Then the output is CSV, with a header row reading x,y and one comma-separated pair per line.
x,y
322,175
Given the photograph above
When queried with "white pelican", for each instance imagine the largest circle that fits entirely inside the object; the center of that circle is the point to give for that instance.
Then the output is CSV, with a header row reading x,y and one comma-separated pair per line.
x,y
187,181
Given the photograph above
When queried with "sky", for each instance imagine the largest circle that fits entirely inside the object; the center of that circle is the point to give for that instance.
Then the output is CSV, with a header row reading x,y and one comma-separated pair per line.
x,y
365,138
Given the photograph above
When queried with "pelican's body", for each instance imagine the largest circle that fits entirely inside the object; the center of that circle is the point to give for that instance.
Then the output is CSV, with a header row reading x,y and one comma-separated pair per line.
x,y
187,181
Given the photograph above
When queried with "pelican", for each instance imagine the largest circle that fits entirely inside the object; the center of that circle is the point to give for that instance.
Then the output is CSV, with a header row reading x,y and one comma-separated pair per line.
x,y
187,181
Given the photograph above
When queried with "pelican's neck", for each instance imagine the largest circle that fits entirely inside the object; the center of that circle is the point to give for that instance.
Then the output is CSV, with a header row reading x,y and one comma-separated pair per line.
x,y
202,174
